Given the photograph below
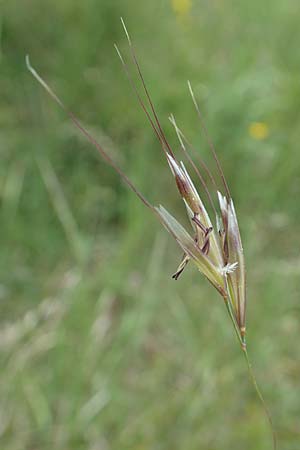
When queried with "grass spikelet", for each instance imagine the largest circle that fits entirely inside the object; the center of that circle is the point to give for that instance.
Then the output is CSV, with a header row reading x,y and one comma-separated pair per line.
x,y
215,249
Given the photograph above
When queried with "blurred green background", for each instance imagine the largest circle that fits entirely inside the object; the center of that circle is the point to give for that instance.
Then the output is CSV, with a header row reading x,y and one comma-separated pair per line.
x,y
100,349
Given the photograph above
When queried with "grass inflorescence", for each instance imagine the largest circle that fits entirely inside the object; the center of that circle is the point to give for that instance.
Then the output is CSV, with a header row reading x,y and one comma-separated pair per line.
x,y
214,244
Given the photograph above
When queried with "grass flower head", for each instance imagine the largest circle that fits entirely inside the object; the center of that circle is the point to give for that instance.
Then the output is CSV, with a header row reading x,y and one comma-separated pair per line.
x,y
213,243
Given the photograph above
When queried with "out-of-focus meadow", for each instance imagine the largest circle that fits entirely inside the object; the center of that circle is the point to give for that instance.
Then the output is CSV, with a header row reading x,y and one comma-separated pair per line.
x,y
100,349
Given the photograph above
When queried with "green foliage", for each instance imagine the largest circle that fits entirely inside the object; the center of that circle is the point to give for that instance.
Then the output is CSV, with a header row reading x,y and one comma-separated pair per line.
x,y
99,348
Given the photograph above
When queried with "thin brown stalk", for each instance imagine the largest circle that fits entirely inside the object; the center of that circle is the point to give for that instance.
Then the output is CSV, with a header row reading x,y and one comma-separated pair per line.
x,y
210,143
78,125
135,60
142,104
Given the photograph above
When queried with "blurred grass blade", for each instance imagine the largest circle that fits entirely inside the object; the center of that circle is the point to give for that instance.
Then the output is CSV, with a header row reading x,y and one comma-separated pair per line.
x,y
61,206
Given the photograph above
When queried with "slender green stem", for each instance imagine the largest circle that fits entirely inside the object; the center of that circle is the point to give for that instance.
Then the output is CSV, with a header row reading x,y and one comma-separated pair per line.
x,y
232,318
259,394
252,376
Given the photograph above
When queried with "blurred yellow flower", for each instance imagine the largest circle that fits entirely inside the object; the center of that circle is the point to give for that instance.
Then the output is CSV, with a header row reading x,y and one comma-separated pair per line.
x,y
259,130
181,7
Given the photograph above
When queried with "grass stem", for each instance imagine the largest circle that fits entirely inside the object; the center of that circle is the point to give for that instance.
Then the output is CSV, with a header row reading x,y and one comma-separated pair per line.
x,y
259,394
251,372
232,318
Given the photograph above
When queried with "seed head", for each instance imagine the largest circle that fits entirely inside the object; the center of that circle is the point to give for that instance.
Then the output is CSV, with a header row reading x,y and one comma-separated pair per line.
x,y
216,251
